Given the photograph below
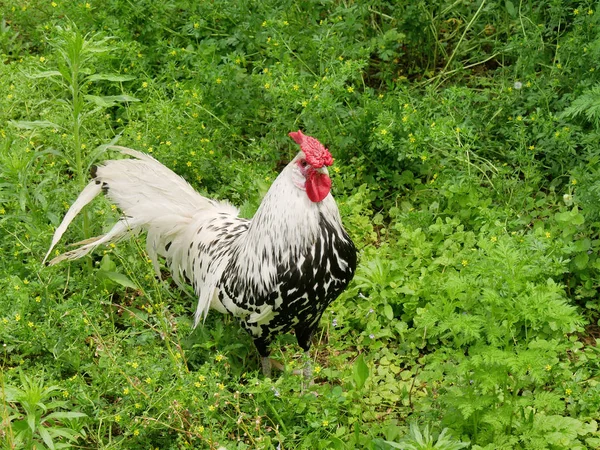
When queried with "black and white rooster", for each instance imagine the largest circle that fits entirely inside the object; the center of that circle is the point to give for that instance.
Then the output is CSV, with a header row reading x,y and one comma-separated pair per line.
x,y
275,273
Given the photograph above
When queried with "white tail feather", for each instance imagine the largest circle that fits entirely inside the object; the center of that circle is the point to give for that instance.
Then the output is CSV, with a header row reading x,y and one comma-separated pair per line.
x,y
150,195
86,196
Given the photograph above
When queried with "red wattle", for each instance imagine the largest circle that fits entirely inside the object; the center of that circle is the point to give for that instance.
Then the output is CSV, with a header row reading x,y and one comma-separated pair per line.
x,y
318,186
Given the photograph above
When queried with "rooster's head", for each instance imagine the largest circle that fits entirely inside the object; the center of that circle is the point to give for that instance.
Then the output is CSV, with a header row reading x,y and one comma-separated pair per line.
x,y
310,171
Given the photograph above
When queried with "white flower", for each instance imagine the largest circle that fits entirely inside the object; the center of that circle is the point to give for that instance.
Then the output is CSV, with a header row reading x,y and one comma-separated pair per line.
x,y
518,85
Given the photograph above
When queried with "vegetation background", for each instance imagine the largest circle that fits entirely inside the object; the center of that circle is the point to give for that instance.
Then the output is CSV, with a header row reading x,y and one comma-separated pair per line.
x,y
467,144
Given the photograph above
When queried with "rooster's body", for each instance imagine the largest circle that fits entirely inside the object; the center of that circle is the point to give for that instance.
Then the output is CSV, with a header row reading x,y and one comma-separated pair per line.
x,y
275,273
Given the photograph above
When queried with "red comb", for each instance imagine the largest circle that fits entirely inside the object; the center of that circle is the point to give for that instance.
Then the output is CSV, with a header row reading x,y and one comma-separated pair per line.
x,y
316,153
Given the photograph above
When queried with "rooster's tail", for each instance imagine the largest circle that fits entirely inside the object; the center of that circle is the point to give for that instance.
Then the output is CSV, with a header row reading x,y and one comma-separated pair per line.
x,y
152,198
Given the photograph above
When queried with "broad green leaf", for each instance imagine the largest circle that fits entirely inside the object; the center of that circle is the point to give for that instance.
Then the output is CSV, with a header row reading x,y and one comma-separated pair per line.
x,y
119,278
388,311
361,371
110,100
64,415
45,74
110,77
510,8
32,125
46,437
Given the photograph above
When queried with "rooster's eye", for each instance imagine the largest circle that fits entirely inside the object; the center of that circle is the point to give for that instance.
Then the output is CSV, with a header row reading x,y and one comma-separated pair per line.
x,y
303,163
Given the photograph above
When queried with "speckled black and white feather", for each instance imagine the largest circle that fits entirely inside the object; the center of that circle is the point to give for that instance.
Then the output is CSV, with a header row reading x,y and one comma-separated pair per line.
x,y
275,273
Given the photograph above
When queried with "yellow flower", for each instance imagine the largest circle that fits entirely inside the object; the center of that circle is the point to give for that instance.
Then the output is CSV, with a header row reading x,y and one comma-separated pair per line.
x,y
568,391
134,365
573,181
325,423
126,391
532,147
219,358
548,235
295,87
189,164
590,12
264,24
576,11
219,81
267,85
494,239
83,146
145,84
317,369
464,262
173,52
168,143
405,119
30,324
221,386
88,6
38,299
336,169
350,89
559,66
148,380
54,5
548,367
423,158
384,132
196,25
211,408
117,418
4,320
42,59
136,432
65,394
519,118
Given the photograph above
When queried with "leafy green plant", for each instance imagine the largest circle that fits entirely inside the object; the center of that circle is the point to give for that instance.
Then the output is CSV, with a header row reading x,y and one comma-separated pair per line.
x,y
425,440
33,418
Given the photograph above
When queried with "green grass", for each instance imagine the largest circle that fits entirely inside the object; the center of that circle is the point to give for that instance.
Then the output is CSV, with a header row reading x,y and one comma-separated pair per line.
x,y
467,172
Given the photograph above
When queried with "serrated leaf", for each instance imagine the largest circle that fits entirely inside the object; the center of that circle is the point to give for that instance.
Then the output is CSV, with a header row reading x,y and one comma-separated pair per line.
x,y
110,100
361,371
110,77
32,125
581,260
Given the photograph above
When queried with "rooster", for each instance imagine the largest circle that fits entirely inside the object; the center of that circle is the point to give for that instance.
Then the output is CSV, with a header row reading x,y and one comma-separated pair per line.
x,y
275,273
